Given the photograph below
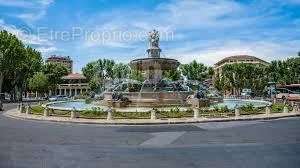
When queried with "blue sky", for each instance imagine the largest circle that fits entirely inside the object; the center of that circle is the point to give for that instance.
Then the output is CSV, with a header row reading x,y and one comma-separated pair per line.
x,y
205,30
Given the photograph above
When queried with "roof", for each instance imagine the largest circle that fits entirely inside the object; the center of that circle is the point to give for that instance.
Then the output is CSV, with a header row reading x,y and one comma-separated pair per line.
x,y
74,76
240,57
55,57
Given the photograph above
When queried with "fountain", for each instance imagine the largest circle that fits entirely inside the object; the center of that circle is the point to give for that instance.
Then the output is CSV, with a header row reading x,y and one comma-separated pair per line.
x,y
129,95
155,91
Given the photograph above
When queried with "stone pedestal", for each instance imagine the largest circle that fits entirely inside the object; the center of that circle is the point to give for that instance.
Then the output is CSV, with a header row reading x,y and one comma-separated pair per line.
x,y
295,109
285,109
198,103
268,110
46,112
74,114
237,112
153,115
109,115
27,109
196,113
22,108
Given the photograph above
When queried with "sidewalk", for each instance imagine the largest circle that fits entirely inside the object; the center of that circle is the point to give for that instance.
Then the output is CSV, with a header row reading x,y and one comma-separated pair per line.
x,y
14,113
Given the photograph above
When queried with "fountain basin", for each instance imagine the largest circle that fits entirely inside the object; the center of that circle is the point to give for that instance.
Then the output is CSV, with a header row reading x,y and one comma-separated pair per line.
x,y
155,63
81,105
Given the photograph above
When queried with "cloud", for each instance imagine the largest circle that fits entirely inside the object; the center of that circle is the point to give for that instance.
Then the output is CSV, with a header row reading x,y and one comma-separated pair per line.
x,y
26,3
25,35
32,10
267,50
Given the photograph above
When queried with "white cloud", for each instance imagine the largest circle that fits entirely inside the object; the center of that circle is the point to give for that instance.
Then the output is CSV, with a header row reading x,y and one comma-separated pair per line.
x,y
34,10
267,50
25,35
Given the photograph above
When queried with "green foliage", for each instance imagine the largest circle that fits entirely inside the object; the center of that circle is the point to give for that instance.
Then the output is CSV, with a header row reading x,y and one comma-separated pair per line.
x,y
136,75
235,77
131,115
17,63
39,83
37,110
172,74
248,108
175,112
88,100
54,73
278,107
195,71
93,113
121,71
95,84
221,109
285,72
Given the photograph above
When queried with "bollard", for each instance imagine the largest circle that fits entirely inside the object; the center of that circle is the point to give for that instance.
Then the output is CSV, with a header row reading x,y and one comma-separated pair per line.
x,y
285,109
295,108
27,109
74,113
46,112
237,112
196,113
153,115
109,114
21,108
268,110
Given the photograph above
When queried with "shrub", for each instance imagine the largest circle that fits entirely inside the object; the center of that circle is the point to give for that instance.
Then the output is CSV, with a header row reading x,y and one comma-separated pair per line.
x,y
248,108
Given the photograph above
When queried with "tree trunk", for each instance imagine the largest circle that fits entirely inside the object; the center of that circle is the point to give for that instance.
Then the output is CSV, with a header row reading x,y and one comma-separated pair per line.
x,y
1,81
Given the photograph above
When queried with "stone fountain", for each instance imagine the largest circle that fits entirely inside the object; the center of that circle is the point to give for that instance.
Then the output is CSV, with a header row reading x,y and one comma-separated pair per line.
x,y
155,91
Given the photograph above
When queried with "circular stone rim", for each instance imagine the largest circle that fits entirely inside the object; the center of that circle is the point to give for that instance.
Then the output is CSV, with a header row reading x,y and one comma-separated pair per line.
x,y
135,63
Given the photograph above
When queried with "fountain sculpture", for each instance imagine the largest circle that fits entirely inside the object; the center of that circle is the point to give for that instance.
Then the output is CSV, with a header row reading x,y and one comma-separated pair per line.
x,y
155,91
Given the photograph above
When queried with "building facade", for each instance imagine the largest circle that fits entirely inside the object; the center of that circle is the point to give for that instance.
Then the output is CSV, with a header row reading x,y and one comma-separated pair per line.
x,y
61,59
218,67
73,85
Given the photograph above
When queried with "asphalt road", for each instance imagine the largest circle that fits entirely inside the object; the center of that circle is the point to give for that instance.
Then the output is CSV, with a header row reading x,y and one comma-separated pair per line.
x,y
37,144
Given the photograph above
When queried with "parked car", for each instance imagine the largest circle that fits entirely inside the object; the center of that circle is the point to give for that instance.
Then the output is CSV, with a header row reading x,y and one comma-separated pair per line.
x,y
58,98
246,92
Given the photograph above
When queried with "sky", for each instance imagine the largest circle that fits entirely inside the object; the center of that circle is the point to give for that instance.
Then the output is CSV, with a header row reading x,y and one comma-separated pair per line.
x,y
202,30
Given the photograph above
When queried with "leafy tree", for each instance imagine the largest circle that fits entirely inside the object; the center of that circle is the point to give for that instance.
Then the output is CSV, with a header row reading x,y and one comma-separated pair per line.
x,y
54,73
121,71
195,71
39,83
95,84
136,75
172,74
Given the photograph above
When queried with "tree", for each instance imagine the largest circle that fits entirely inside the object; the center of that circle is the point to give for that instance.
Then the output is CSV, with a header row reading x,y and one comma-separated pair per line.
x,y
39,83
121,71
12,55
54,73
136,75
95,84
172,74
195,71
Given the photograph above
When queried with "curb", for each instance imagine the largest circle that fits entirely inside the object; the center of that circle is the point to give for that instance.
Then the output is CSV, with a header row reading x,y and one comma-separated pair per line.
x,y
157,122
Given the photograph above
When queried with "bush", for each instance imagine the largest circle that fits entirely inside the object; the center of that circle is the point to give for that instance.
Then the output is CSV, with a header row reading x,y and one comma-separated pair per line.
x,y
278,107
248,108
88,100
38,110
131,115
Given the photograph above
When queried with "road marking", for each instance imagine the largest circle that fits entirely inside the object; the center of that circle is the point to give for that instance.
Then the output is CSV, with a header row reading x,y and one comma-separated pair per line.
x,y
162,138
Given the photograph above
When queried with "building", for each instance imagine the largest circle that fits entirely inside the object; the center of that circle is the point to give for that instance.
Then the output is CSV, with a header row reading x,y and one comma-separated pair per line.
x,y
63,60
237,59
73,84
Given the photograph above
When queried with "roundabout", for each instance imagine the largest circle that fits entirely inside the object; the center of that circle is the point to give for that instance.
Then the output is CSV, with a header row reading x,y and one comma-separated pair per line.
x,y
260,143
